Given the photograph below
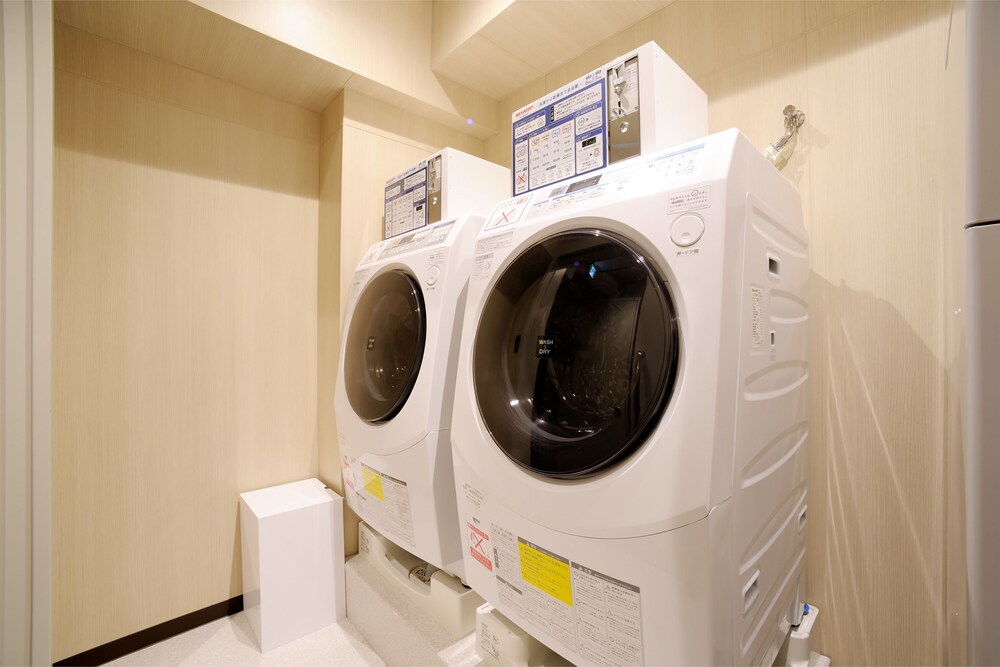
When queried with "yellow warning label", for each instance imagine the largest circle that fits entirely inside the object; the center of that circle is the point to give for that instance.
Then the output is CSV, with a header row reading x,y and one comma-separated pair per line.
x,y
546,572
372,482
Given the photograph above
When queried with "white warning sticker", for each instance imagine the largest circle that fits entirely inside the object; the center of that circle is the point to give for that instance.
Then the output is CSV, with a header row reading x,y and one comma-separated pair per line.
x,y
756,315
492,243
373,252
548,592
482,266
508,212
359,278
608,618
690,199
479,545
484,261
508,568
489,641
473,495
384,502
586,610
350,483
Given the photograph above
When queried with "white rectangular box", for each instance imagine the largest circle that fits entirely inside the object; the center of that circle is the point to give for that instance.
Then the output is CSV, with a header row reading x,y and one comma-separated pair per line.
x,y
292,537
446,185
638,103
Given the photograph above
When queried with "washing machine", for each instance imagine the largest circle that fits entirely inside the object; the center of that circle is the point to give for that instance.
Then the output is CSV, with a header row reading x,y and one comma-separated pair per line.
x,y
630,431
394,385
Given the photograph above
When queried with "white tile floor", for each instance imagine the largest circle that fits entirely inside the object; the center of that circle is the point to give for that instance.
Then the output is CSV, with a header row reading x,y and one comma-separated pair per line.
x,y
230,641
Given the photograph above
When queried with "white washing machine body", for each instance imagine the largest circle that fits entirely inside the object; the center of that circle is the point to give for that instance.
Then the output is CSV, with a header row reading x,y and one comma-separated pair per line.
x,y
631,417
395,383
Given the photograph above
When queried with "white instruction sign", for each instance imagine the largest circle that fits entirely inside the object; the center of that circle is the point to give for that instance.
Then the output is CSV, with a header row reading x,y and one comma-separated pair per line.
x,y
382,501
406,202
587,611
560,137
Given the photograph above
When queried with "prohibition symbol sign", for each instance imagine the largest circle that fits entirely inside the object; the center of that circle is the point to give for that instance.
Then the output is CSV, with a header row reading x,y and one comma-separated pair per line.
x,y
479,547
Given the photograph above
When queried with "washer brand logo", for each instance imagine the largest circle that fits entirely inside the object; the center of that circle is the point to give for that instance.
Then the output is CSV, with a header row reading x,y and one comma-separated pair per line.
x,y
371,343
479,547
518,114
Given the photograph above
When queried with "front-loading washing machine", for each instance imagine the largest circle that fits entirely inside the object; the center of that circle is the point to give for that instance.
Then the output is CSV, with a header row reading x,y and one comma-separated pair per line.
x,y
394,385
631,421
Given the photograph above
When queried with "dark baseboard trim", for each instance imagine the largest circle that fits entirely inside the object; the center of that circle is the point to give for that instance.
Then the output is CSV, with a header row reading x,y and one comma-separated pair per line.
x,y
137,640
986,223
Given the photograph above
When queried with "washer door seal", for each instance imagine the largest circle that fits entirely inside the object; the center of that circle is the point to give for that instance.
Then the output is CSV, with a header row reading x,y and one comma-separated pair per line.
x,y
385,345
576,354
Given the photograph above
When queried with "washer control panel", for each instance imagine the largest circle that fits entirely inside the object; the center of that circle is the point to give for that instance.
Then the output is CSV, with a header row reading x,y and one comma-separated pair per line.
x,y
425,238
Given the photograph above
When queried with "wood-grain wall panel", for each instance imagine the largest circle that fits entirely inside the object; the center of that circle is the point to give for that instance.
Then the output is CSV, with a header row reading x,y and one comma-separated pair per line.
x,y
883,197
185,332
142,75
192,36
328,304
881,178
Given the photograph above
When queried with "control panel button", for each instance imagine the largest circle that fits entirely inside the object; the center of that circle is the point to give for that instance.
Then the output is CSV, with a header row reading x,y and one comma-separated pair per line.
x,y
687,230
432,275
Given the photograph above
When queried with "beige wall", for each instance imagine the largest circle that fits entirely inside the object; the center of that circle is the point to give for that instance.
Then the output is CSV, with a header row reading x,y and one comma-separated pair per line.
x,y
879,166
204,238
185,330
365,142
328,299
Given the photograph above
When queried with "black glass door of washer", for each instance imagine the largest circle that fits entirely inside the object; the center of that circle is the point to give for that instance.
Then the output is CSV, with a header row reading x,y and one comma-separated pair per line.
x,y
385,345
575,354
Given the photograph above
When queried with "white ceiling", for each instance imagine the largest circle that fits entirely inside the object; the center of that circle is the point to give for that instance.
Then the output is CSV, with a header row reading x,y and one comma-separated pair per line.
x,y
529,38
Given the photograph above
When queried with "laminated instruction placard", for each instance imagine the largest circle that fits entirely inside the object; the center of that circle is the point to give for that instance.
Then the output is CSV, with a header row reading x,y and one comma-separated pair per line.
x,y
406,201
562,135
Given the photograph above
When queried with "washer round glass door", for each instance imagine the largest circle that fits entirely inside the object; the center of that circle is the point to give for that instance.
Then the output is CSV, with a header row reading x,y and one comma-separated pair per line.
x,y
385,344
576,354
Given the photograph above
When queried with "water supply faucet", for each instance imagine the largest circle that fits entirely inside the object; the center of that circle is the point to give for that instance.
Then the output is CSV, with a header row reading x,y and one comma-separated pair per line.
x,y
779,152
